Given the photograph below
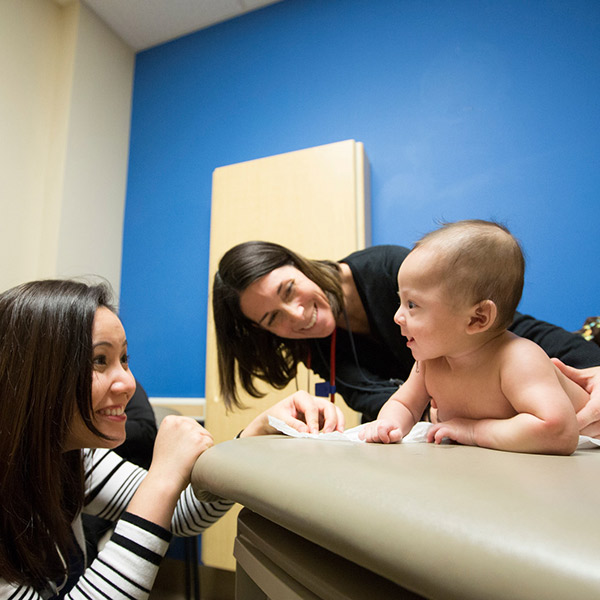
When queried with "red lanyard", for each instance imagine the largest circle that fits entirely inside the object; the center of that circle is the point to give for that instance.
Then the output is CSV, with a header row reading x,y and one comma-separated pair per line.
x,y
332,366
324,388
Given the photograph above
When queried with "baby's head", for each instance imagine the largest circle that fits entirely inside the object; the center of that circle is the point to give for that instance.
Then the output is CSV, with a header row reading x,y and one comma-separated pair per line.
x,y
477,260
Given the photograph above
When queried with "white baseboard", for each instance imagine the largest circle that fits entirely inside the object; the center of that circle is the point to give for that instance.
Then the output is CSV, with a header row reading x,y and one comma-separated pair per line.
x,y
197,403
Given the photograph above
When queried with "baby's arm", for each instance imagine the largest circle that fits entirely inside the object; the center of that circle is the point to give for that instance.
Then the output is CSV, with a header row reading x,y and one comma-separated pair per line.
x,y
546,421
400,413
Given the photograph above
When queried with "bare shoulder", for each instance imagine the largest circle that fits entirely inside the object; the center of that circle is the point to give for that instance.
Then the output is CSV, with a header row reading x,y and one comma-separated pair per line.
x,y
525,365
513,347
521,360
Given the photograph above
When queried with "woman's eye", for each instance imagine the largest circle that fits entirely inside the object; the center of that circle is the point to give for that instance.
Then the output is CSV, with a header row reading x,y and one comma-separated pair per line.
x,y
289,289
125,359
100,360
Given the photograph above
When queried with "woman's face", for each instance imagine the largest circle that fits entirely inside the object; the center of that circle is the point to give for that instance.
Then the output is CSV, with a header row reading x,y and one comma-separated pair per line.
x,y
113,385
289,304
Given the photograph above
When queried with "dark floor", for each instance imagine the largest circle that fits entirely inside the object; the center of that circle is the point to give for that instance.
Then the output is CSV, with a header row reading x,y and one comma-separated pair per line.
x,y
215,584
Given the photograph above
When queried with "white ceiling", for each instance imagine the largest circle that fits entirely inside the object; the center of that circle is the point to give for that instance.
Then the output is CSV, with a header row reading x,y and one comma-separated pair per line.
x,y
146,23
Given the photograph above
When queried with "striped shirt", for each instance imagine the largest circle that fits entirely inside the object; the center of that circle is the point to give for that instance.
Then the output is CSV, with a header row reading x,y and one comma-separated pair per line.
x,y
127,565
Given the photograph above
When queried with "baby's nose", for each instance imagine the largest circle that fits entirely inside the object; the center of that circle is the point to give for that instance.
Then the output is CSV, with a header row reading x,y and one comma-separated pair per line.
x,y
399,317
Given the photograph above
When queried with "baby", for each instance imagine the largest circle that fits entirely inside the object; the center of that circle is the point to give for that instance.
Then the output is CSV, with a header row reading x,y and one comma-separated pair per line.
x,y
459,289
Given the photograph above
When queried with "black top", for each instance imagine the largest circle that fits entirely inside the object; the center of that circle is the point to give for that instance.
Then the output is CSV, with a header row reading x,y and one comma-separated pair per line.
x,y
140,429
368,377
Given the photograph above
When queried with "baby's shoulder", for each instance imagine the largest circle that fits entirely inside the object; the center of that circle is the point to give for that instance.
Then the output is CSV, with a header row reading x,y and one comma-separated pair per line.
x,y
514,349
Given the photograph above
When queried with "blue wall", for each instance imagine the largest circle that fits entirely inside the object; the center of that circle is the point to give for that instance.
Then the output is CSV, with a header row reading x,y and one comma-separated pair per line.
x,y
466,109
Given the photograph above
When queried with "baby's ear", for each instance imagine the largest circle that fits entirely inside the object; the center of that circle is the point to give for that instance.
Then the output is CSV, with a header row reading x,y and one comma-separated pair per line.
x,y
483,316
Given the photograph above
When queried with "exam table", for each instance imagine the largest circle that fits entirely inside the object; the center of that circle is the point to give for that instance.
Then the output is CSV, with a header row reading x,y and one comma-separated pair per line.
x,y
342,520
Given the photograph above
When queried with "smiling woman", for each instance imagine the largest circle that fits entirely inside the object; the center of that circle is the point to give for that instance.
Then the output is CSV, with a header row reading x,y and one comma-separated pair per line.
x,y
64,386
113,386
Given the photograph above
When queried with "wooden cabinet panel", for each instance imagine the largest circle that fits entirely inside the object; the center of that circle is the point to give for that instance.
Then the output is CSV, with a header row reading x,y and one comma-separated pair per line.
x,y
315,201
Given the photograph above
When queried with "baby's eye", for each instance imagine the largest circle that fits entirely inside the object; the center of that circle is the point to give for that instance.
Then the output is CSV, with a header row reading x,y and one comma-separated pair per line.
x,y
410,304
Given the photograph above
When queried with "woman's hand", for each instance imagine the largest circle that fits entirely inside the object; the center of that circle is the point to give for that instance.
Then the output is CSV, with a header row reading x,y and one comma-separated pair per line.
x,y
179,442
588,417
306,413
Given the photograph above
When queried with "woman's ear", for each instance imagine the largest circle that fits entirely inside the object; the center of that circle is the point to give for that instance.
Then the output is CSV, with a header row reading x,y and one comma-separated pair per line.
x,y
483,316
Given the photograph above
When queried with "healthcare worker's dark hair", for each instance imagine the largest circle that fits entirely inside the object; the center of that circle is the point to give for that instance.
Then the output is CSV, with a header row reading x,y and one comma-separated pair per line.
x,y
246,351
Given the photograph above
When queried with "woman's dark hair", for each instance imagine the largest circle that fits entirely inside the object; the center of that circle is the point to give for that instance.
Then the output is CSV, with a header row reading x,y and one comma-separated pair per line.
x,y
45,379
244,349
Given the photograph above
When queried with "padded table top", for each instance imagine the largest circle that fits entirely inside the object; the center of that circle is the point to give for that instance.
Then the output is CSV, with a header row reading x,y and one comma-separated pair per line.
x,y
444,521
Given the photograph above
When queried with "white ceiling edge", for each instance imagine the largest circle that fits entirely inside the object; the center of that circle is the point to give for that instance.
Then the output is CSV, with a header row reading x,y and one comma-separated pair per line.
x,y
145,23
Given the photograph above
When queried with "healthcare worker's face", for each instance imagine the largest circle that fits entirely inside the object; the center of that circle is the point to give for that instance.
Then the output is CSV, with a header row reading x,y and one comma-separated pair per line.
x,y
113,385
289,304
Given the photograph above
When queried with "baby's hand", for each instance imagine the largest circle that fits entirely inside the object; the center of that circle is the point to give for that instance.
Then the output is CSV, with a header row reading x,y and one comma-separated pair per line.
x,y
458,430
382,430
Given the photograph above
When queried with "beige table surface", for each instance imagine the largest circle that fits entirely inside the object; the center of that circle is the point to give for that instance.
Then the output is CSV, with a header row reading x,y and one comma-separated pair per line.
x,y
443,521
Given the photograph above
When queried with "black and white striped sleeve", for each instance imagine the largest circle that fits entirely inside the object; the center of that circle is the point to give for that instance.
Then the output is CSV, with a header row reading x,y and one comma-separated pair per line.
x,y
126,567
112,481
124,570
193,516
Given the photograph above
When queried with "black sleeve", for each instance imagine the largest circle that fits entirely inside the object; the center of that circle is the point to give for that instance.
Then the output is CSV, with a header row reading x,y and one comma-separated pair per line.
x,y
571,348
362,389
140,429
368,398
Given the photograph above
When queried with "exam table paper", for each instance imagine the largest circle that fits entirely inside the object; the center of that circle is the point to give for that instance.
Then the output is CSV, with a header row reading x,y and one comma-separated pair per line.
x,y
418,434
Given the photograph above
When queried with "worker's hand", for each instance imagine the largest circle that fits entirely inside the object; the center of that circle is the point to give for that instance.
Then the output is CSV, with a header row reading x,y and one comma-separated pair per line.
x,y
588,418
303,412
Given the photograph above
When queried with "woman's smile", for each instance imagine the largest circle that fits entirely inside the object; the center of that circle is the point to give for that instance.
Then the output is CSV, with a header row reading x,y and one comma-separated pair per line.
x,y
313,320
114,411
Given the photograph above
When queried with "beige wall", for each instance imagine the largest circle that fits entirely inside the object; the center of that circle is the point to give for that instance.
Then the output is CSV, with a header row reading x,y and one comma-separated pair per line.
x,y
64,136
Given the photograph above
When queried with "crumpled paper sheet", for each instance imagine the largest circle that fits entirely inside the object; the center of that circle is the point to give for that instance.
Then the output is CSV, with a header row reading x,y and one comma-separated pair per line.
x,y
418,434
588,442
